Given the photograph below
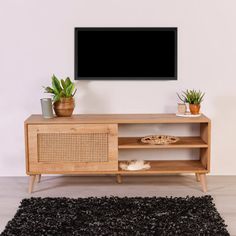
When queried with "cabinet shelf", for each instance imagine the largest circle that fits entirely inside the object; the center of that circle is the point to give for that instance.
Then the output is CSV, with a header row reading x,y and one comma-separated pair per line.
x,y
184,142
170,167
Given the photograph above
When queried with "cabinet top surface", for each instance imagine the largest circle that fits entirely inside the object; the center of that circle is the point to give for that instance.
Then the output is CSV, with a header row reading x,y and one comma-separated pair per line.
x,y
117,119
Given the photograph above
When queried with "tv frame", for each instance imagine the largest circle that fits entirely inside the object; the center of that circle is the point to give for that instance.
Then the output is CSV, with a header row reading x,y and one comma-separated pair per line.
x,y
174,29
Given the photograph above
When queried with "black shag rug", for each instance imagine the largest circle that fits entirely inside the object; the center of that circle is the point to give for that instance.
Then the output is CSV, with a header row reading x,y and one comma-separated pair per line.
x,y
117,216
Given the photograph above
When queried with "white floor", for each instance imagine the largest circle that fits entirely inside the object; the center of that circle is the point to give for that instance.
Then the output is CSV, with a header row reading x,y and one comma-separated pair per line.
x,y
222,189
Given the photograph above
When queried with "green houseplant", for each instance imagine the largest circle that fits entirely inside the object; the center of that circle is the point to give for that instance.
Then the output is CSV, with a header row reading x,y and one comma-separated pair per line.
x,y
63,92
194,98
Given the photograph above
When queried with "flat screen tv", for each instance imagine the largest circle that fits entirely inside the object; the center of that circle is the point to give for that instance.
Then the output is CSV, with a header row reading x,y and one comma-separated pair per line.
x,y
126,53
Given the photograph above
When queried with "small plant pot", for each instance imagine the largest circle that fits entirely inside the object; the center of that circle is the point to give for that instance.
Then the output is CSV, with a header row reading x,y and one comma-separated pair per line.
x,y
64,107
194,108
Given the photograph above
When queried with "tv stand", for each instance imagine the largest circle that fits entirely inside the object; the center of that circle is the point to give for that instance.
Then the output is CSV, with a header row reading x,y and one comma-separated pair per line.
x,y
89,144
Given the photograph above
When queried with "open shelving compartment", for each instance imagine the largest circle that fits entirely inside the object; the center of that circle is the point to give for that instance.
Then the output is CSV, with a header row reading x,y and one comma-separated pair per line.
x,y
199,167
168,166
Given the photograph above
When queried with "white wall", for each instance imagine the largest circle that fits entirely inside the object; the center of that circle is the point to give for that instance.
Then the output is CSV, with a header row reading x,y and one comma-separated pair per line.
x,y
36,40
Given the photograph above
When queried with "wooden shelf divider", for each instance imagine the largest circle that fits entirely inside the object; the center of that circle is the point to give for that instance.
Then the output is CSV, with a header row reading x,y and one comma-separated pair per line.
x,y
184,142
170,167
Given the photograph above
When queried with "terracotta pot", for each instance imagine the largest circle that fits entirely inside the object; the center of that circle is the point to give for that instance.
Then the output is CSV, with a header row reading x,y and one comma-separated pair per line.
x,y
64,107
194,108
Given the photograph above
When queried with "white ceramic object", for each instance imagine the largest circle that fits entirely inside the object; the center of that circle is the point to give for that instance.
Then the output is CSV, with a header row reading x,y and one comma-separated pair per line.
x,y
188,115
135,165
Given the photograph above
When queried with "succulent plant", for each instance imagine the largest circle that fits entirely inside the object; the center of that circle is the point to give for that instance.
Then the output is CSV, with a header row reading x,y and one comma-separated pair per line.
x,y
61,88
191,96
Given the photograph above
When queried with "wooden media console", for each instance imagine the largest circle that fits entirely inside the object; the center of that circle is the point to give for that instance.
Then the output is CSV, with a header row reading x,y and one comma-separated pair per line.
x,y
89,144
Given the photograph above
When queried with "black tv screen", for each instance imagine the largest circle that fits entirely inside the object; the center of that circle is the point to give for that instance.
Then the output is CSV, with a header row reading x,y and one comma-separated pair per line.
x,y
126,53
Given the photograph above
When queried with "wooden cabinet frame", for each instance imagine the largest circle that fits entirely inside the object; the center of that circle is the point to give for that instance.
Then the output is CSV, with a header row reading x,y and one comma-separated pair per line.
x,y
108,124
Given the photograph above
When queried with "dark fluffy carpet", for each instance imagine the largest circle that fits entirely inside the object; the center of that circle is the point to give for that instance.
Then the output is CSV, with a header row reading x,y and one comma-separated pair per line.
x,y
116,216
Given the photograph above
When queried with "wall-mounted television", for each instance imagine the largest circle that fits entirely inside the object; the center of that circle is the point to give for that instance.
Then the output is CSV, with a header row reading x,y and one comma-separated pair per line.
x,y
126,53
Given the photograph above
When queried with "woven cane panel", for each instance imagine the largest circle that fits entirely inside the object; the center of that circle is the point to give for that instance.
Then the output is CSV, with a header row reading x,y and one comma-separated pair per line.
x,y
63,147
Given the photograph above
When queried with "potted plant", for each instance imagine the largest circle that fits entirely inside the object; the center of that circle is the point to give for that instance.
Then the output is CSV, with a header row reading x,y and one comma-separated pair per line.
x,y
193,98
63,96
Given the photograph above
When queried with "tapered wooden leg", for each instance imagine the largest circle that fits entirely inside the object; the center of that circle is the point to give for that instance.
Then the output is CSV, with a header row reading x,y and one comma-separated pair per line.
x,y
118,179
197,177
203,182
31,182
38,177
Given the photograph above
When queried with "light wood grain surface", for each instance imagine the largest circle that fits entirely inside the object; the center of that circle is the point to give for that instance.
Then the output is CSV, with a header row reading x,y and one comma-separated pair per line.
x,y
222,189
184,142
117,119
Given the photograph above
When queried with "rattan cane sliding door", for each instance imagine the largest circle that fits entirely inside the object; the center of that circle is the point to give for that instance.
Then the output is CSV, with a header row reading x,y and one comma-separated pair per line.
x,y
72,148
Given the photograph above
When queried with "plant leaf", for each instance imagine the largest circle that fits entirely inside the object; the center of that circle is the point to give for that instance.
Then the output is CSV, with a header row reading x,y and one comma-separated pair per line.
x,y
56,84
181,98
69,90
63,84
74,93
68,82
56,98
48,90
